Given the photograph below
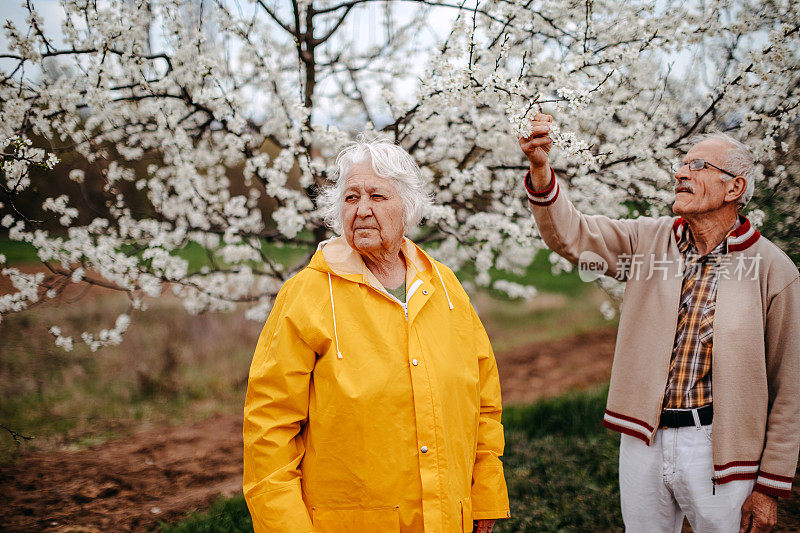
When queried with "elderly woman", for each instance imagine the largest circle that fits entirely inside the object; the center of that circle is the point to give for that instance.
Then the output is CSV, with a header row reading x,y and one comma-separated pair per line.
x,y
373,403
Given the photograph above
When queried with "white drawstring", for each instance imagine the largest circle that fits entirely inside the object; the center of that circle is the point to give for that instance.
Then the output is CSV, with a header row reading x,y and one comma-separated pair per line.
x,y
443,285
333,310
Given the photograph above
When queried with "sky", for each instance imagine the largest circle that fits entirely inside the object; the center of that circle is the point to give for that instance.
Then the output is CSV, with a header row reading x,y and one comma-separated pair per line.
x,y
14,11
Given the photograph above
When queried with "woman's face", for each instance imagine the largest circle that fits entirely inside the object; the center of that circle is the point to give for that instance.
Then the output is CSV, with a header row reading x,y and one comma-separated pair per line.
x,y
372,212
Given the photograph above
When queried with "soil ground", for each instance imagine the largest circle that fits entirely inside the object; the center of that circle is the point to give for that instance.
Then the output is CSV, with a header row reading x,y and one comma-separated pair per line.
x,y
162,473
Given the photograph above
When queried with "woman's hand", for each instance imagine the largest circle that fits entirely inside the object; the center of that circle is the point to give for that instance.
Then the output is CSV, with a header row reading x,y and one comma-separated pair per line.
x,y
483,526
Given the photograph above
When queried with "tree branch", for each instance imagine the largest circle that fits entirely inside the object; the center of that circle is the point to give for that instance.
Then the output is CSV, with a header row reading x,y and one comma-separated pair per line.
x,y
335,27
277,19
18,437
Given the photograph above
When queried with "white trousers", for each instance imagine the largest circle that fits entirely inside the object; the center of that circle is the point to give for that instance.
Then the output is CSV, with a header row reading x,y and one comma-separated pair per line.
x,y
662,483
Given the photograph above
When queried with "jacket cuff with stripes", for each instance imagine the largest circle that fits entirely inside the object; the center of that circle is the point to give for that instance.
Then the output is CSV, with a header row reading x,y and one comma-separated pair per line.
x,y
545,197
773,485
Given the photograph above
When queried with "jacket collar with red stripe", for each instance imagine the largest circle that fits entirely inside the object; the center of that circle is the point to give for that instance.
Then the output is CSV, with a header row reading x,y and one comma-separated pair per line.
x,y
741,238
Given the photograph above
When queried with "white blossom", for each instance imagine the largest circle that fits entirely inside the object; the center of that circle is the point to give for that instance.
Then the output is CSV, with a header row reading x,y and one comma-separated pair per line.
x,y
289,221
756,217
210,139
64,342
515,290
608,310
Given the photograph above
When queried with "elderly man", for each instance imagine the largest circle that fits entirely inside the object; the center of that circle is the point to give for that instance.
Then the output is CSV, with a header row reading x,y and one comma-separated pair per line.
x,y
709,331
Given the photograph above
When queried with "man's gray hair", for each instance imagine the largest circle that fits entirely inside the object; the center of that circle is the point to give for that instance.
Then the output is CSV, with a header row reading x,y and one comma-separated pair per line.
x,y
389,161
738,160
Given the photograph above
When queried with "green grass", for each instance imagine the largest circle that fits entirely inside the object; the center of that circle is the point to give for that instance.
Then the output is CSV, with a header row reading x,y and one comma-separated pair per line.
x,y
18,253
229,515
577,414
560,467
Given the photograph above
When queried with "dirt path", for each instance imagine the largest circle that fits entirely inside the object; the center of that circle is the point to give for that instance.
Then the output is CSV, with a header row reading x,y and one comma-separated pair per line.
x,y
160,474
551,368
125,484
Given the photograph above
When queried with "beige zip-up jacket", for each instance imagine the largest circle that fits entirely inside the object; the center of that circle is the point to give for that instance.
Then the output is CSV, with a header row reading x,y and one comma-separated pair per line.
x,y
756,340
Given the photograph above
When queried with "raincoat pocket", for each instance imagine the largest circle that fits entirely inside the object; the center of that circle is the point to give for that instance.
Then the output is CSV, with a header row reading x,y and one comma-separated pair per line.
x,y
355,520
466,515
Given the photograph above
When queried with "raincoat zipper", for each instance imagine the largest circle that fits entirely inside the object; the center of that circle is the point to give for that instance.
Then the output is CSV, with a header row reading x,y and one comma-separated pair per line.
x,y
404,305
414,286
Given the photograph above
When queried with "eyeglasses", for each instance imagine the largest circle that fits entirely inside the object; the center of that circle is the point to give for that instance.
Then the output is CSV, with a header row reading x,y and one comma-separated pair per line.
x,y
699,164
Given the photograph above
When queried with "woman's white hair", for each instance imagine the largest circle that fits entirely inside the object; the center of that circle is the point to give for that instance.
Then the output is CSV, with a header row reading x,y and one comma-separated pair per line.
x,y
389,161
738,160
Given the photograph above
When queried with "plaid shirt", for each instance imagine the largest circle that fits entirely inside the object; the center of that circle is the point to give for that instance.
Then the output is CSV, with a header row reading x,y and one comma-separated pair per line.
x,y
689,383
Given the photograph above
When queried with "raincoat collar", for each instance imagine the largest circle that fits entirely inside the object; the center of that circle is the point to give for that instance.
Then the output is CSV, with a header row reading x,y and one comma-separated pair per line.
x,y
336,257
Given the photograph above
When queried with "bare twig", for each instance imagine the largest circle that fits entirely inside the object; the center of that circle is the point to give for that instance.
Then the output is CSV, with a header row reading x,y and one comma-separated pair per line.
x,y
19,438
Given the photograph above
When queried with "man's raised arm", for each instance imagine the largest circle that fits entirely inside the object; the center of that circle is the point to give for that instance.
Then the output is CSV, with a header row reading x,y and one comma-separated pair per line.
x,y
564,229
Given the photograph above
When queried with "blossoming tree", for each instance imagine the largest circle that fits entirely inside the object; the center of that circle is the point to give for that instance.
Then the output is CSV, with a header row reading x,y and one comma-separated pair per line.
x,y
163,98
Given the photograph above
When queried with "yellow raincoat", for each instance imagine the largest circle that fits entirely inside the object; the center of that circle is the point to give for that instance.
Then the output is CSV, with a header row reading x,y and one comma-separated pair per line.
x,y
367,415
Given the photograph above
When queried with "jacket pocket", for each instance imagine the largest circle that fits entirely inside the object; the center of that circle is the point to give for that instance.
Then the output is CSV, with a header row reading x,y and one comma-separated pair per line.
x,y
355,520
466,515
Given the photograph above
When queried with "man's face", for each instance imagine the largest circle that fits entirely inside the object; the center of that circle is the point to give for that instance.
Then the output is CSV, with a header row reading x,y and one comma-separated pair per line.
x,y
705,190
